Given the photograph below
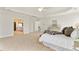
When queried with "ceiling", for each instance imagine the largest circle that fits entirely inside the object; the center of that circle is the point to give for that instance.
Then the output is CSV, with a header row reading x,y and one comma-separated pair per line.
x,y
47,11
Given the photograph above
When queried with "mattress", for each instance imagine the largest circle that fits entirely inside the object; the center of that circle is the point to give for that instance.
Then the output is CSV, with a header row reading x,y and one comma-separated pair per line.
x,y
58,40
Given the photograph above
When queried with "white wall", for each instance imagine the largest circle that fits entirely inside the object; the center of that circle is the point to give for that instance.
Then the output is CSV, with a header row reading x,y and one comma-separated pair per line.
x,y
28,21
63,20
29,24
68,20
7,19
0,26
44,23
7,16
5,24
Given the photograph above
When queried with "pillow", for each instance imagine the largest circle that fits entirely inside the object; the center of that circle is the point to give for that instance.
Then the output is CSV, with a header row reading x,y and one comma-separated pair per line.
x,y
55,32
63,29
52,32
74,34
48,32
67,31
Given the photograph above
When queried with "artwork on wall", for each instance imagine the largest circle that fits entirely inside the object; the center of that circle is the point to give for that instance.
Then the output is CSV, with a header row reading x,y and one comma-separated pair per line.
x,y
54,21
54,26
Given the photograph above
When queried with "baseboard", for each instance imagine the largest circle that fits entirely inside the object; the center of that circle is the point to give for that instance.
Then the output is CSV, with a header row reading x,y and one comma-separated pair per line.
x,y
4,36
26,32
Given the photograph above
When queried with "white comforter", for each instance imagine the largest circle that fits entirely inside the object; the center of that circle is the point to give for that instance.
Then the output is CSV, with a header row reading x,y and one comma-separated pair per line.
x,y
59,40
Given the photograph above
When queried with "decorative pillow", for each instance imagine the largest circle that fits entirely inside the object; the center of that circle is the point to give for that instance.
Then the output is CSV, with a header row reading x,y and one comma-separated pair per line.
x,y
55,32
48,31
52,32
63,29
67,31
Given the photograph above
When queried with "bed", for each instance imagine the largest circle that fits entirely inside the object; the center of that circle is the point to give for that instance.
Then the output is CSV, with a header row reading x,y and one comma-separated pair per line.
x,y
58,42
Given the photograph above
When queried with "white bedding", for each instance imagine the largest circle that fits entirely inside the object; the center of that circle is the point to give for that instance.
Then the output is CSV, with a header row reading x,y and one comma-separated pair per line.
x,y
58,40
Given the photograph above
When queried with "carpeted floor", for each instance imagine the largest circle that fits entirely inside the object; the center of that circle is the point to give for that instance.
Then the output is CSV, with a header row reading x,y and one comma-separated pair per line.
x,y
21,42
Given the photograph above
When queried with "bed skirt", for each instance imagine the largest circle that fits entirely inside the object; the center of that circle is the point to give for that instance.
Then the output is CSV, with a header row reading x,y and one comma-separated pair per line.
x,y
57,48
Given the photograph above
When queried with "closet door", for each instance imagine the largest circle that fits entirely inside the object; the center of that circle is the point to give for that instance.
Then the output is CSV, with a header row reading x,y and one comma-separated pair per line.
x,y
37,26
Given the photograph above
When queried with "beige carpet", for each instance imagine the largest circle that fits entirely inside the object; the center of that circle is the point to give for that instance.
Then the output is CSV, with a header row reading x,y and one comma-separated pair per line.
x,y
21,42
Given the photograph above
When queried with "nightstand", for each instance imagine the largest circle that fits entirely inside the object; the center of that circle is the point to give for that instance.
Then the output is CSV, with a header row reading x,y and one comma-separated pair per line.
x,y
76,44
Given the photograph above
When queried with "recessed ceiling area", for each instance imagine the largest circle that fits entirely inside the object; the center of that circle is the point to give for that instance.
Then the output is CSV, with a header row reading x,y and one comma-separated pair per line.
x,y
43,12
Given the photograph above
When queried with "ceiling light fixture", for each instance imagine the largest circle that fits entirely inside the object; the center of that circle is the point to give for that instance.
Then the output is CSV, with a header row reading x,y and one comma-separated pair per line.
x,y
40,9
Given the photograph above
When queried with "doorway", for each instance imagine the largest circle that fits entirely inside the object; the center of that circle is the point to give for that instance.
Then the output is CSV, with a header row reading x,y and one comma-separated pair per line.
x,y
18,26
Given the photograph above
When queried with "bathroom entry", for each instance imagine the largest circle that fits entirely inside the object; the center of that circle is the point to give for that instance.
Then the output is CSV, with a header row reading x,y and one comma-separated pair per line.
x,y
18,25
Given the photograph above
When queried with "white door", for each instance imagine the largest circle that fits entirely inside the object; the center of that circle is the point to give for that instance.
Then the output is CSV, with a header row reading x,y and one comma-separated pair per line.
x,y
37,26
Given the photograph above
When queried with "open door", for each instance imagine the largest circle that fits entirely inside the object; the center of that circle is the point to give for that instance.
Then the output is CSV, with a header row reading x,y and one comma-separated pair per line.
x,y
14,26
18,25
